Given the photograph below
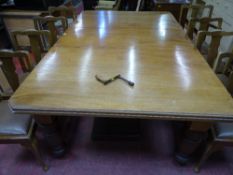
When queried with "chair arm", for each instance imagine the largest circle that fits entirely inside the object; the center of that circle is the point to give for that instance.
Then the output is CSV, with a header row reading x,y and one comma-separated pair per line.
x,y
218,20
219,59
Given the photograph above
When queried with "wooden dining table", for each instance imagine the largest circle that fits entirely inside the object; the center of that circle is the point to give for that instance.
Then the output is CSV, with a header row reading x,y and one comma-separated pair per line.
x,y
172,81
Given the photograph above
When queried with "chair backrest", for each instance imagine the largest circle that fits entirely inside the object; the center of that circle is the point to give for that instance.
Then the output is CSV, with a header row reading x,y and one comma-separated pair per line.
x,y
204,24
35,38
213,47
228,63
227,60
196,11
63,11
9,80
50,22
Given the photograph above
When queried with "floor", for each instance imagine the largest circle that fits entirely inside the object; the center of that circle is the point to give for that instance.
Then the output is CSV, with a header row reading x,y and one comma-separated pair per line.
x,y
151,155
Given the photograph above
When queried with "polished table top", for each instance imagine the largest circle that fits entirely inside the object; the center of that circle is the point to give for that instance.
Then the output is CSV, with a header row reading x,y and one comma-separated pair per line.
x,y
172,80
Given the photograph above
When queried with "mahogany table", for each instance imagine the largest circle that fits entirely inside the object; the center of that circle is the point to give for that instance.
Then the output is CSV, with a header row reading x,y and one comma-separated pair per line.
x,y
172,79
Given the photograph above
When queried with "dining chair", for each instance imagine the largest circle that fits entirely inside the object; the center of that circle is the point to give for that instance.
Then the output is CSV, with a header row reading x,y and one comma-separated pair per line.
x,y
49,22
194,11
40,41
9,81
223,67
204,24
221,135
213,47
16,129
67,12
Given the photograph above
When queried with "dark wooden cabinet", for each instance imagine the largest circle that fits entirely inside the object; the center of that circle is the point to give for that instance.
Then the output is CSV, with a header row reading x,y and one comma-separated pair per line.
x,y
172,6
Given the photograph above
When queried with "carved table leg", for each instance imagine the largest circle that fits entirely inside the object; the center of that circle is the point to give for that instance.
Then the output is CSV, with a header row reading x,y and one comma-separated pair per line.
x,y
51,135
191,141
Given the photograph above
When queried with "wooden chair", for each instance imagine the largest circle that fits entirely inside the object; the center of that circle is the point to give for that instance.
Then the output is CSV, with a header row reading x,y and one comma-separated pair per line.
x,y
221,135
223,67
196,11
213,47
40,41
16,129
50,23
67,12
9,82
204,24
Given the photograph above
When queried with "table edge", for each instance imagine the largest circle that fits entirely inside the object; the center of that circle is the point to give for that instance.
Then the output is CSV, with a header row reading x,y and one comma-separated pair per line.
x,y
130,114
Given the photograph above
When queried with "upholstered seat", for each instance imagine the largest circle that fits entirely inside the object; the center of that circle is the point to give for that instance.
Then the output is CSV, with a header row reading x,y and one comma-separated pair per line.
x,y
224,130
10,124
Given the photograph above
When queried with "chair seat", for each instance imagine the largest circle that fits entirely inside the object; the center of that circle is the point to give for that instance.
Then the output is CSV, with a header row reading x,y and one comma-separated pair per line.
x,y
224,130
11,124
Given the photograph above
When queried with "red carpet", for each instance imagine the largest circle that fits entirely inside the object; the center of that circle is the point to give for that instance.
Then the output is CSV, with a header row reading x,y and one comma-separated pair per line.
x,y
151,156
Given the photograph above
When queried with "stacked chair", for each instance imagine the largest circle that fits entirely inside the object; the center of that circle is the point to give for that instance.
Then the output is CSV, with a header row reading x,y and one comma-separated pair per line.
x,y
21,128
198,30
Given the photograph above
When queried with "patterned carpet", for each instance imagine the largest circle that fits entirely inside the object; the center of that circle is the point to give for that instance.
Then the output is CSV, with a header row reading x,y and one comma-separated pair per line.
x,y
152,155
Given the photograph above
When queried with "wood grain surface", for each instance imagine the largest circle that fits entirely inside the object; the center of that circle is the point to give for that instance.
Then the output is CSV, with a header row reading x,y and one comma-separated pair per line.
x,y
172,79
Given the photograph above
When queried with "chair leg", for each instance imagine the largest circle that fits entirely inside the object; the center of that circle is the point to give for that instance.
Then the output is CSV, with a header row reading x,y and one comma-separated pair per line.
x,y
37,153
209,150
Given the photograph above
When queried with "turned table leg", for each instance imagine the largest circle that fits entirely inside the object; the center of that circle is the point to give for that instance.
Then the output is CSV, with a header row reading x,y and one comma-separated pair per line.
x,y
191,141
51,135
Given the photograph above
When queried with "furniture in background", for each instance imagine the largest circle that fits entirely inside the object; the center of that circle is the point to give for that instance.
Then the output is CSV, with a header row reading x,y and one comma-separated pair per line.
x,y
213,47
21,17
223,67
37,4
36,46
90,4
221,135
16,129
19,20
9,79
203,25
223,9
180,94
195,11
109,5
67,12
173,6
49,23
